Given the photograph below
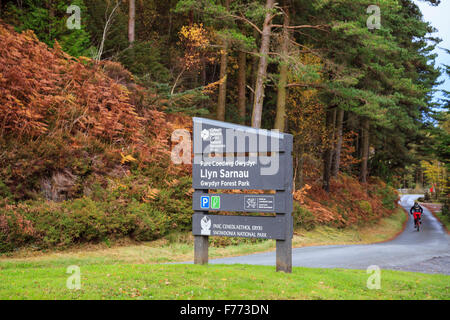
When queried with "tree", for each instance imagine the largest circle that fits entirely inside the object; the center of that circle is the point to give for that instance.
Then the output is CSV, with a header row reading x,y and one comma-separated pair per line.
x,y
383,78
339,140
108,23
328,152
262,66
231,37
436,175
366,95
48,20
443,134
131,21
280,119
223,74
365,150
242,62
306,117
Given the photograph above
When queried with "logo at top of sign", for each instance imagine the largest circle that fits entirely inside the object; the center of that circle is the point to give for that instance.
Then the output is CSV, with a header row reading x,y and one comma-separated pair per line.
x,y
215,138
205,134
205,223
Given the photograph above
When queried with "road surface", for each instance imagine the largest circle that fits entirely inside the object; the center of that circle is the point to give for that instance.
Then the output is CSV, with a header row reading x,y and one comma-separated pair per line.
x,y
426,251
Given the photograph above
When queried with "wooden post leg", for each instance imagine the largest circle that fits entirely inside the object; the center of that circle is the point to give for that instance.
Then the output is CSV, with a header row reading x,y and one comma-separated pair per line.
x,y
284,255
201,244
284,249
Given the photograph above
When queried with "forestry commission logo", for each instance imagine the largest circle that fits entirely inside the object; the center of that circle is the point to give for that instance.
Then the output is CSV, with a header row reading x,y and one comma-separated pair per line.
x,y
250,203
215,137
205,134
205,223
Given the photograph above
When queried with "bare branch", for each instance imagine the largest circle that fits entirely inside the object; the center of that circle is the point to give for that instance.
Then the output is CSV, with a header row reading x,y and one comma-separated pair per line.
x,y
273,16
247,21
106,29
281,9
176,80
318,27
305,85
308,49
250,88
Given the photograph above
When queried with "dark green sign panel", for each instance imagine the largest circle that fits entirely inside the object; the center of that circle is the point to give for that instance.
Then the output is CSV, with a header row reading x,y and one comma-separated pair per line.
x,y
229,156
240,226
242,202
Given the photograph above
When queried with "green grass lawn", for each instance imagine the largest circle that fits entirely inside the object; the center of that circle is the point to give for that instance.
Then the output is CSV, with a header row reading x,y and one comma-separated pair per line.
x,y
132,272
30,280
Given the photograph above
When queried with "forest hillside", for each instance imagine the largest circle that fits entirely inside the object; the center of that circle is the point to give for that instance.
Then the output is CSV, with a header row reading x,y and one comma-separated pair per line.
x,y
92,91
76,167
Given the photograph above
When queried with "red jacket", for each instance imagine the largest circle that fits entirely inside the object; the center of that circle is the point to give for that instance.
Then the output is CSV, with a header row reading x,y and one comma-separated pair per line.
x,y
414,210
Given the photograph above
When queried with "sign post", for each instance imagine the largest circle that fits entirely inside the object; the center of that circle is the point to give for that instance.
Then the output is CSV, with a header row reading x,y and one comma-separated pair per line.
x,y
229,156
201,242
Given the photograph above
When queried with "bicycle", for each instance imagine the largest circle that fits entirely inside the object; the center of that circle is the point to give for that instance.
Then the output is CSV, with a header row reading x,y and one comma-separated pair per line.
x,y
417,220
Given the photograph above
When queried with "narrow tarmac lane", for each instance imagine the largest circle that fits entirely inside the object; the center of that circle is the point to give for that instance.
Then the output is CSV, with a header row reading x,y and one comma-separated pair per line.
x,y
426,251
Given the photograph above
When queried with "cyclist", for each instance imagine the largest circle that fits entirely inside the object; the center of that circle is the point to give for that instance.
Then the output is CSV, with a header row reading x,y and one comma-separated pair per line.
x,y
416,212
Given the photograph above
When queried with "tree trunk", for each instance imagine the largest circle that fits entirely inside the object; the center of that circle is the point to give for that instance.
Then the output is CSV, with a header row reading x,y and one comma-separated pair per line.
x,y
365,151
223,84
51,18
360,142
255,61
299,160
169,31
220,114
242,61
332,138
280,119
262,67
421,178
416,179
327,155
131,22
203,72
105,30
337,154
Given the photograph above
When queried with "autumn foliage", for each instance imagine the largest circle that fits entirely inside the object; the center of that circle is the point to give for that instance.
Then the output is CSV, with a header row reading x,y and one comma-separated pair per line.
x,y
38,86
89,151
86,147
59,113
348,203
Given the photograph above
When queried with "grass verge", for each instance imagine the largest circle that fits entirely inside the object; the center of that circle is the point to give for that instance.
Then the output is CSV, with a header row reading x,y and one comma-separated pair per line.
x,y
137,281
445,220
179,247
436,210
